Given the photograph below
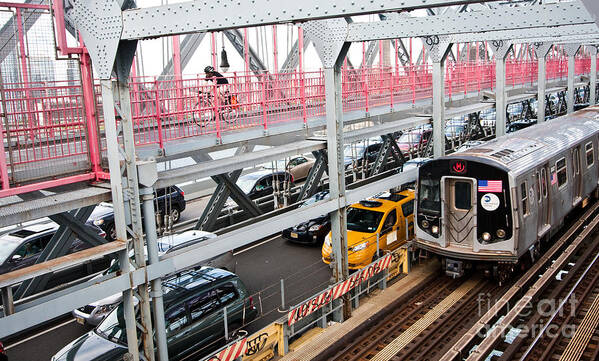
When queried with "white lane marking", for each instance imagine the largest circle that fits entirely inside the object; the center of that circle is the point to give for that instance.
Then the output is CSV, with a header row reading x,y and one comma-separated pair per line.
x,y
39,334
256,245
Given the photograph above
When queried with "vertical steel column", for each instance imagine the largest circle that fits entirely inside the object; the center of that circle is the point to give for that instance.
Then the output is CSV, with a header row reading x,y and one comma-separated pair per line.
x,y
152,245
275,51
23,55
541,49
178,76
500,97
501,50
438,109
328,37
300,49
334,116
593,81
571,50
134,207
116,185
541,80
438,53
570,100
213,47
89,102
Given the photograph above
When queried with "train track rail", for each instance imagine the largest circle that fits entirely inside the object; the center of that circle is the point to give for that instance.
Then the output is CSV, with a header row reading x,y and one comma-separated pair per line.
x,y
423,326
517,325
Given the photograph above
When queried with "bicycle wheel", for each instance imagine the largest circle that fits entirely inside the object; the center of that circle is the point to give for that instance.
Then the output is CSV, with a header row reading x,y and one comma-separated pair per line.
x,y
229,116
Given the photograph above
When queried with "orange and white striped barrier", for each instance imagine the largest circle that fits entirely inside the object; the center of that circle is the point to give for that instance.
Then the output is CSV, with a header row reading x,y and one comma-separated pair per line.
x,y
338,290
231,352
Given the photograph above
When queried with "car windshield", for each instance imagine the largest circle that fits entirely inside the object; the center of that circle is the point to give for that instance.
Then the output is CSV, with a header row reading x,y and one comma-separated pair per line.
x,y
351,151
7,247
410,138
113,327
316,198
246,184
363,220
429,196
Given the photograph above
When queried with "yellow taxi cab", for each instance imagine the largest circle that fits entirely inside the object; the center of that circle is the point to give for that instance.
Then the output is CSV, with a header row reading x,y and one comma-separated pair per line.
x,y
385,217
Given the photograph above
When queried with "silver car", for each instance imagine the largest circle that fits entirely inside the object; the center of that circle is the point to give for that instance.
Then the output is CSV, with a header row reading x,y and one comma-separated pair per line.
x,y
95,312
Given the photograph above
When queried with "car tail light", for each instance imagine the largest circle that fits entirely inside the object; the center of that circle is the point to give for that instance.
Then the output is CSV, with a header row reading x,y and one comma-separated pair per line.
x,y
2,346
251,301
182,193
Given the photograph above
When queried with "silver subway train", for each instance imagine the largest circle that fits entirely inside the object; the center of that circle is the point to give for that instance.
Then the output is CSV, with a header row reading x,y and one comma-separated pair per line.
x,y
492,206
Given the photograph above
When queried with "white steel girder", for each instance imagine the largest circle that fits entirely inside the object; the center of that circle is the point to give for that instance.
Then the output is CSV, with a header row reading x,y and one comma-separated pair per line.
x,y
104,23
477,22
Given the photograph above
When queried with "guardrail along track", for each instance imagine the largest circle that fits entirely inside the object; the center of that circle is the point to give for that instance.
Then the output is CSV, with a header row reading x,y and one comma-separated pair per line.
x,y
514,327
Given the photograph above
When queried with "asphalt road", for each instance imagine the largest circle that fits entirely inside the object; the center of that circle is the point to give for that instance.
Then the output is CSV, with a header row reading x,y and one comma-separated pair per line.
x,y
260,266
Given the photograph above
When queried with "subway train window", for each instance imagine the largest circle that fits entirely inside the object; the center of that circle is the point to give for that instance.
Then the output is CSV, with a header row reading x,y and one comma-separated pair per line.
x,y
538,180
429,196
463,195
544,182
562,175
589,151
524,197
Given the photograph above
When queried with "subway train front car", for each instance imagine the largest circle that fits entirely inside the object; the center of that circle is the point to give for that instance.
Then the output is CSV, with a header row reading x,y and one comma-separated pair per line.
x,y
491,207
450,221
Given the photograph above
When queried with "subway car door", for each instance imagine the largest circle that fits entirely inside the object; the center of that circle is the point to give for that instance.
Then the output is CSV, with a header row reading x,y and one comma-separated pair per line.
x,y
460,211
576,177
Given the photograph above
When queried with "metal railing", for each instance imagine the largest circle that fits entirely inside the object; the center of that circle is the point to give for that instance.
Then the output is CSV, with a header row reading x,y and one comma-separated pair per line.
x,y
47,133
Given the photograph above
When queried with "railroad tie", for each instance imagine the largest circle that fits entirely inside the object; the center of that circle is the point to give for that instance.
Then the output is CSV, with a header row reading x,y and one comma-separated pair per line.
x,y
585,330
422,324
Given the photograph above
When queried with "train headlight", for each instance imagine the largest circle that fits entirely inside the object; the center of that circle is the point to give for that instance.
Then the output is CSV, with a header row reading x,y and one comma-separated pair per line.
x,y
435,229
424,224
500,233
486,236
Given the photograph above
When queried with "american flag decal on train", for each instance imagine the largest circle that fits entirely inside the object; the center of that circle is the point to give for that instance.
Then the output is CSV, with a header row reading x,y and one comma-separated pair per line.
x,y
492,186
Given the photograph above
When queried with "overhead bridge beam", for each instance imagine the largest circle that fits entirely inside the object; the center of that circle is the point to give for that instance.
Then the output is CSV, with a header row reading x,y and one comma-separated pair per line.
x,y
478,23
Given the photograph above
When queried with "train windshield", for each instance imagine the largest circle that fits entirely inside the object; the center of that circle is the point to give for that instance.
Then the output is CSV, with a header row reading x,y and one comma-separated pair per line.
x,y
429,196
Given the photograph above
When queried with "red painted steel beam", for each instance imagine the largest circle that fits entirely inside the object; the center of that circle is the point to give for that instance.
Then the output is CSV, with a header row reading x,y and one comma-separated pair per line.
x,y
47,184
24,6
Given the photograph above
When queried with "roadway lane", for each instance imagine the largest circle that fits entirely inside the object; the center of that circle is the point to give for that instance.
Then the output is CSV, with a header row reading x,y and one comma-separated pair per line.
x,y
260,266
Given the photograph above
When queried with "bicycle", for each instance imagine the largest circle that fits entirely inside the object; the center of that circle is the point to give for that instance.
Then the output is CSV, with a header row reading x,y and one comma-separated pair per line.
x,y
204,109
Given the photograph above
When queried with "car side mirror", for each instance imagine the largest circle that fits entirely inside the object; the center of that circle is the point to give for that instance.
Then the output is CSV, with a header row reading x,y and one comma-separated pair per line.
x,y
16,258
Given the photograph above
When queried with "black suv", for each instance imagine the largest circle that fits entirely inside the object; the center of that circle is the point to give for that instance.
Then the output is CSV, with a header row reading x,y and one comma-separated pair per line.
x,y
193,303
171,201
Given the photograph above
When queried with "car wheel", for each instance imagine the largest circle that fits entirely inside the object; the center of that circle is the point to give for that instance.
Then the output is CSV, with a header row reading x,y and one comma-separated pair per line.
x,y
175,215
